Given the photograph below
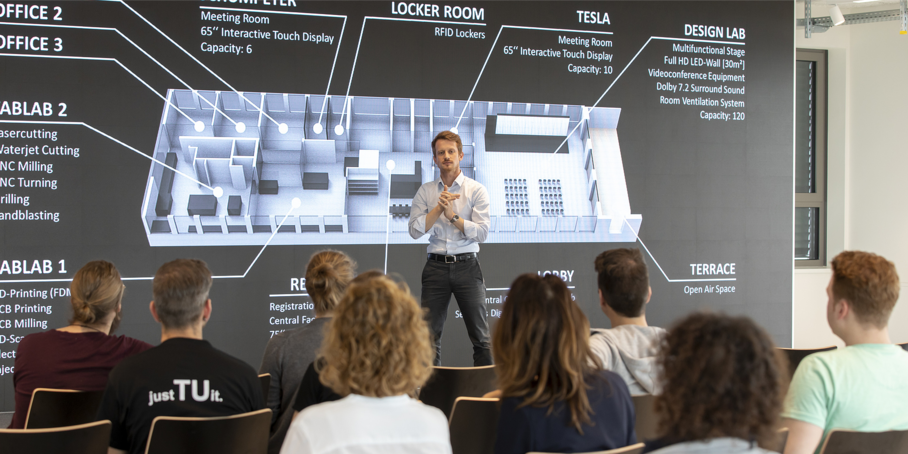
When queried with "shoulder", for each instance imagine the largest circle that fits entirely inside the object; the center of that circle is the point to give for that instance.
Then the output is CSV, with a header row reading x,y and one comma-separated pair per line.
x,y
132,344
474,185
37,339
609,385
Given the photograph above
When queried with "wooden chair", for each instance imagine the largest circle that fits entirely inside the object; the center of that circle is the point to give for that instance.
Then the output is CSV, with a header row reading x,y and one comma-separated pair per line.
x,y
850,442
796,355
473,425
91,438
783,439
61,407
646,421
632,449
246,433
904,346
265,379
448,383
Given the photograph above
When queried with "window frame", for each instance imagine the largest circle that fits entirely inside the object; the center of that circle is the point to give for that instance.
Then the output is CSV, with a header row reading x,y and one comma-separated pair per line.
x,y
817,199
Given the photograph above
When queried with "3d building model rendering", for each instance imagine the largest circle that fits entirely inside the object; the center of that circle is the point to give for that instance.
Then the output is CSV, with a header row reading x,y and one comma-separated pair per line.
x,y
244,168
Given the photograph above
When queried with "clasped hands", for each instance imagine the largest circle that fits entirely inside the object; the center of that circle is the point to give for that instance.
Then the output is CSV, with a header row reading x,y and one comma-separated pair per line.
x,y
446,202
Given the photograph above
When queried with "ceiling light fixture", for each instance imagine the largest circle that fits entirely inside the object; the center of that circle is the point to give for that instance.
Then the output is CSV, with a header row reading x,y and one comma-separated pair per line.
x,y
836,15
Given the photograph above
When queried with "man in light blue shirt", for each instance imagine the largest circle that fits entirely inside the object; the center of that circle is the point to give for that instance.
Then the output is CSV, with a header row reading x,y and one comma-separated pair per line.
x,y
861,387
454,211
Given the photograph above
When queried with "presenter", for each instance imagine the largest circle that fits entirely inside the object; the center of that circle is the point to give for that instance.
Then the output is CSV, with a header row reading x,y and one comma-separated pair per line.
x,y
454,211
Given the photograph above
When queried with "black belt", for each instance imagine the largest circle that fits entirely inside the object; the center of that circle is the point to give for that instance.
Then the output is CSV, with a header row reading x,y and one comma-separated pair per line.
x,y
453,258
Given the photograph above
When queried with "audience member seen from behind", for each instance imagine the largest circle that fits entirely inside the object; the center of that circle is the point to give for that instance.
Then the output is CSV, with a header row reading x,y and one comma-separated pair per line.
x,y
185,375
311,390
554,396
376,351
291,352
630,346
78,356
723,384
863,386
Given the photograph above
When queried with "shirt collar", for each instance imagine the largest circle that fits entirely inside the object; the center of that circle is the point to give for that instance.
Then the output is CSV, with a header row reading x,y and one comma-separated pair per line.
x,y
458,180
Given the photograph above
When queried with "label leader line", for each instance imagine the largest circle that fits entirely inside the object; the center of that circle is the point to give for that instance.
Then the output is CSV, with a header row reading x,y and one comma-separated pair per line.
x,y
358,43
83,27
294,13
663,38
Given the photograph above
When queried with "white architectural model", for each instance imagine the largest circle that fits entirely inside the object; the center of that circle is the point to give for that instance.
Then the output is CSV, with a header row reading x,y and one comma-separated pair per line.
x,y
228,167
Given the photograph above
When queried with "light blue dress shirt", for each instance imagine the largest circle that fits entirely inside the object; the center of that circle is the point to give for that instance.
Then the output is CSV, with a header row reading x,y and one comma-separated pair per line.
x,y
472,207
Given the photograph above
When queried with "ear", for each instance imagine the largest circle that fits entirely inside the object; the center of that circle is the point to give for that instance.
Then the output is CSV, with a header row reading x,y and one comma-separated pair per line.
x,y
154,312
602,303
841,309
649,295
206,312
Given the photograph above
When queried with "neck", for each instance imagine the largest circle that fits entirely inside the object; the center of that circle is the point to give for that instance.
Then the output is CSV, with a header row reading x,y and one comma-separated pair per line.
x,y
190,332
449,177
865,335
619,320
100,327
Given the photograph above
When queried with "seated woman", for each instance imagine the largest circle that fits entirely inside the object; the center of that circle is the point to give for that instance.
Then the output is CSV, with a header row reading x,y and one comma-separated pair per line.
x,y
554,397
724,382
81,355
376,351
288,354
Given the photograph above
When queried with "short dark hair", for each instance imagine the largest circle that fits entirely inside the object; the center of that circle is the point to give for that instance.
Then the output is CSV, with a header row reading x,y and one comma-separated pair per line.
x,y
868,282
180,289
448,135
722,376
623,280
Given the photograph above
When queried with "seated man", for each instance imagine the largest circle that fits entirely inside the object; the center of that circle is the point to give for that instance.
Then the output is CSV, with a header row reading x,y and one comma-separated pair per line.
x,y
185,375
630,346
861,387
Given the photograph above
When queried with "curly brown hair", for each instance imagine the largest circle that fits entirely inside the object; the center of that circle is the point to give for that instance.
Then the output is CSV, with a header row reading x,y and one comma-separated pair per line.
x,y
541,347
377,342
722,377
869,282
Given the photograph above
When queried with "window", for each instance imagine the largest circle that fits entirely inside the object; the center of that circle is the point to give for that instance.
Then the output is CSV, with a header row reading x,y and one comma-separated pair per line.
x,y
810,158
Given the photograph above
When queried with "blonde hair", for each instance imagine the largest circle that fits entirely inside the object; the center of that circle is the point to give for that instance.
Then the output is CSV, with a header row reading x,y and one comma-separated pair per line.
x,y
96,291
541,347
377,342
327,276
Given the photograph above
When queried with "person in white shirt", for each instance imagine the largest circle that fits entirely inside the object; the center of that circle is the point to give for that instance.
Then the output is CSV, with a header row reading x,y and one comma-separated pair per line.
x,y
376,350
454,211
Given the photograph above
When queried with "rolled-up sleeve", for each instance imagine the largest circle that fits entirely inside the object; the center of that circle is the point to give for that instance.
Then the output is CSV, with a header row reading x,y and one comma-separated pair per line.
x,y
418,211
477,227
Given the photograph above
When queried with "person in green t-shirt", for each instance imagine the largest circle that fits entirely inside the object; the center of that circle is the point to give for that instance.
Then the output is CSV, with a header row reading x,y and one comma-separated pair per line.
x,y
861,387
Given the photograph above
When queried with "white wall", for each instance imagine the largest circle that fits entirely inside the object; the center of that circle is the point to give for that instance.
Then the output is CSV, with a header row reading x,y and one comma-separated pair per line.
x,y
867,163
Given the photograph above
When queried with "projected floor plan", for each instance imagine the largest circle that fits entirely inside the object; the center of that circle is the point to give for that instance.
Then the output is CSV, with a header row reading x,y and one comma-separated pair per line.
x,y
240,168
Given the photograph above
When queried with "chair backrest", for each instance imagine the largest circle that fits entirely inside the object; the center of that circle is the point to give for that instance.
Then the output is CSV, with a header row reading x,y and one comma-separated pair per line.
x,y
796,355
91,438
62,407
246,433
849,442
904,346
474,423
448,383
265,379
632,449
646,422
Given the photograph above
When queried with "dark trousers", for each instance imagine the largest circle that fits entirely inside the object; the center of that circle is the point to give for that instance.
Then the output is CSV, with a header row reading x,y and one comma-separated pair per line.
x,y
464,280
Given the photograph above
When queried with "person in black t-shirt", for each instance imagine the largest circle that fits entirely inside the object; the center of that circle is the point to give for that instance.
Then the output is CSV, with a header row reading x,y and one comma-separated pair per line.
x,y
185,375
